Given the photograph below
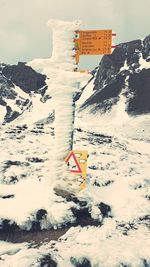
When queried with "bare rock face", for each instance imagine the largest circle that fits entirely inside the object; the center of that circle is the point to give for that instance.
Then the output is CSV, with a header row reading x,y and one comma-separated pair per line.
x,y
140,87
126,72
24,77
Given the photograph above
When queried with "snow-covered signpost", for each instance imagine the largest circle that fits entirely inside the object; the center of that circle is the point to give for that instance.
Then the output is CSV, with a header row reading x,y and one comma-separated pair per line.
x,y
69,43
63,85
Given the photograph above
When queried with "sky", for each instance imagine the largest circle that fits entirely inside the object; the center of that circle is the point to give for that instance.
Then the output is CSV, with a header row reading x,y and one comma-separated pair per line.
x,y
24,34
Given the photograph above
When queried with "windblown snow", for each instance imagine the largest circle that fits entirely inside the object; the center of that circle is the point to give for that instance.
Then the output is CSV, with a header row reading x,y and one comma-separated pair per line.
x,y
2,113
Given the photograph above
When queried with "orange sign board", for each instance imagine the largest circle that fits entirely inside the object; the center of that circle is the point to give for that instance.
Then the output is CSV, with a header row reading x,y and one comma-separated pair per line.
x,y
93,42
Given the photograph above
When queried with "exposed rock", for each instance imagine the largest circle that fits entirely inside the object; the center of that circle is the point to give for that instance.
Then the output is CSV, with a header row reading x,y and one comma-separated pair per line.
x,y
36,160
80,263
41,214
7,196
11,115
139,86
47,262
7,226
105,209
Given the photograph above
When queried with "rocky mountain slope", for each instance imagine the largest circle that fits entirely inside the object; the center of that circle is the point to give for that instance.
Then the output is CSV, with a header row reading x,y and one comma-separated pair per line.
x,y
126,74
17,83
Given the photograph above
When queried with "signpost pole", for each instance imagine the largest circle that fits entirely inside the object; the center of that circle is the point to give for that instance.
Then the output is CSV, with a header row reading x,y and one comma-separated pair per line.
x,y
63,84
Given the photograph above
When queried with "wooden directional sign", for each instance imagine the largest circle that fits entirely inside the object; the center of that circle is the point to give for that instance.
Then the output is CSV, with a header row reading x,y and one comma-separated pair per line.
x,y
93,42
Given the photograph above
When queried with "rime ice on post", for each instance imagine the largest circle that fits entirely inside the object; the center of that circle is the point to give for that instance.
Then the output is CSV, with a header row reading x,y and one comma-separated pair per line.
x,y
63,84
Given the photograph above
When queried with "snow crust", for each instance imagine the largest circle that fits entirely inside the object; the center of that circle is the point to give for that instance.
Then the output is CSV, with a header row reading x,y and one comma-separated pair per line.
x,y
86,93
33,114
23,207
102,246
2,113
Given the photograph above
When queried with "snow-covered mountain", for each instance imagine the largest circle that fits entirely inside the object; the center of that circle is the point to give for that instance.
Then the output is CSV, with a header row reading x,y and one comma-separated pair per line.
x,y
123,75
17,84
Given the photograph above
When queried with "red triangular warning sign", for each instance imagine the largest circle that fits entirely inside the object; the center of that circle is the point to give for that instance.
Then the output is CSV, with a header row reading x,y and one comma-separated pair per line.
x,y
72,163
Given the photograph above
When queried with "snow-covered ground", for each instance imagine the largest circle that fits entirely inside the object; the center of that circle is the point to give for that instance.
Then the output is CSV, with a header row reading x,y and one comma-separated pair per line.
x,y
118,176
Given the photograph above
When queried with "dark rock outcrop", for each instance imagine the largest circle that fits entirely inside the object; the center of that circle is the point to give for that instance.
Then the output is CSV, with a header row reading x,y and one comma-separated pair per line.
x,y
80,263
25,77
47,261
139,86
